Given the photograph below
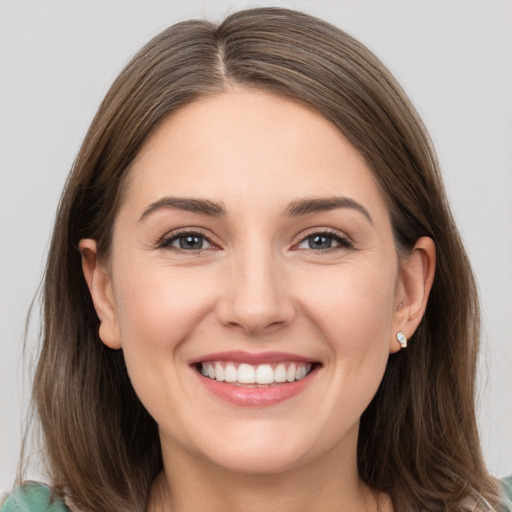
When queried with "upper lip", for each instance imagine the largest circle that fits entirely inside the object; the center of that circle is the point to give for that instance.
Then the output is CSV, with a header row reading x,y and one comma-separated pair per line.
x,y
241,356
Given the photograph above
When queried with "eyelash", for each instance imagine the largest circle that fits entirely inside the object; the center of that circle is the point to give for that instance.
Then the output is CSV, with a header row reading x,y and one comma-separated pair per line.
x,y
343,241
166,241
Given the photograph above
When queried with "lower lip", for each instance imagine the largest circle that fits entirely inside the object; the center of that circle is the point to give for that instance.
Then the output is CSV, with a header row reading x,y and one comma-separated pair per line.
x,y
256,396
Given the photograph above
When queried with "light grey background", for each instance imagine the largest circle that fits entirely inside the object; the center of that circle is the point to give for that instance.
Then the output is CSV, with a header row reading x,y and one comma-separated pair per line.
x,y
454,58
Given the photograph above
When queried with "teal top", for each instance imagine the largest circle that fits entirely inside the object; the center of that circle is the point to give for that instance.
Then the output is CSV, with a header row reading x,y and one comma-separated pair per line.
x,y
506,485
36,497
32,497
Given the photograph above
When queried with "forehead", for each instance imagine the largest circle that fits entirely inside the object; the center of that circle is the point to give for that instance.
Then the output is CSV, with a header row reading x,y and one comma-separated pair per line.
x,y
247,144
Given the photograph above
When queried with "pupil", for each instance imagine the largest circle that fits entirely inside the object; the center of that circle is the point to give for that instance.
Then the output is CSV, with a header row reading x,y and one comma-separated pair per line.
x,y
320,242
191,242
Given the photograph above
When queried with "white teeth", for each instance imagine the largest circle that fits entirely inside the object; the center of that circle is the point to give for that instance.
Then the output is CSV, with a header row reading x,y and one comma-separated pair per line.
x,y
301,373
280,373
291,373
246,374
263,374
230,373
219,372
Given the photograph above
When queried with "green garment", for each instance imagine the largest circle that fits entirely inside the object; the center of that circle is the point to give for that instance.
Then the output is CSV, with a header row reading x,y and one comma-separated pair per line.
x,y
35,497
32,497
506,485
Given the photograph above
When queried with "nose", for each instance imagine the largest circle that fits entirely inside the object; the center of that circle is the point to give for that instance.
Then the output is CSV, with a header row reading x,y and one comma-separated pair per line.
x,y
256,298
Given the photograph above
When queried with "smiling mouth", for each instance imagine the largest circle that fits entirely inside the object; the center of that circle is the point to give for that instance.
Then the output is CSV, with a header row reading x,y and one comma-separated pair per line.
x,y
250,375
246,379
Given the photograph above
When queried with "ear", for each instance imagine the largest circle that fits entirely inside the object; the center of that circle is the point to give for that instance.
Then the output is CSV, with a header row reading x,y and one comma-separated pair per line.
x,y
415,279
99,282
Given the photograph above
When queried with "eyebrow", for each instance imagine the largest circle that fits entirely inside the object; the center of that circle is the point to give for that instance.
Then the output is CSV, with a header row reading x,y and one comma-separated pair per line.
x,y
202,206
296,208
308,206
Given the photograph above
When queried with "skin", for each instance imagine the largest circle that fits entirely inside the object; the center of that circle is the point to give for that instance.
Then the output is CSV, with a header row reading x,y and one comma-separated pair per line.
x,y
257,285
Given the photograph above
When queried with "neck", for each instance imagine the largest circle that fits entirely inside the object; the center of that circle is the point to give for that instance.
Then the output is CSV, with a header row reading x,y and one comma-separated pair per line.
x,y
324,485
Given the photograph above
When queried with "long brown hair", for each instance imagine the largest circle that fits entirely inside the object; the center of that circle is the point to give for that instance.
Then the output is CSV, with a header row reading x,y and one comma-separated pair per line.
x,y
418,438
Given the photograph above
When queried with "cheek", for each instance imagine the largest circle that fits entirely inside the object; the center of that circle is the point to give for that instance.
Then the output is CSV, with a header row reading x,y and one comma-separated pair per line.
x,y
157,312
353,310
353,306
158,308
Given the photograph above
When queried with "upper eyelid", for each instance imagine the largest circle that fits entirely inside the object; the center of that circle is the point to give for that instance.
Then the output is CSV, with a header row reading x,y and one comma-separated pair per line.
x,y
324,231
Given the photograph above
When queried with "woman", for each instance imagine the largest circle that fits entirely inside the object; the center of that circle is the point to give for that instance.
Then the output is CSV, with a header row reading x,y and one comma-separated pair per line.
x,y
248,237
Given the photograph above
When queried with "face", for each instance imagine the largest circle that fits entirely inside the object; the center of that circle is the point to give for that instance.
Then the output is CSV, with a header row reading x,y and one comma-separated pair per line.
x,y
253,284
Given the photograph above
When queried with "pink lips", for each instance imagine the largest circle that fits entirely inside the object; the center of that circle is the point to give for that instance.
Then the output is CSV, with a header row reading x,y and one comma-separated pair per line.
x,y
254,395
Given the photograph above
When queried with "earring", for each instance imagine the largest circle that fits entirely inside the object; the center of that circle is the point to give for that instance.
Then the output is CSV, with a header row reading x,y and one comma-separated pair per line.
x,y
400,336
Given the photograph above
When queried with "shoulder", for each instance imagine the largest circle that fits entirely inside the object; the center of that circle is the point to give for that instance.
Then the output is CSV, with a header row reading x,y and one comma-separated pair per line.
x,y
32,497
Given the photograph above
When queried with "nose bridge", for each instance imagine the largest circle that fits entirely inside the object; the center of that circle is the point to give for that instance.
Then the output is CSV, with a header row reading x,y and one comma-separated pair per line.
x,y
257,298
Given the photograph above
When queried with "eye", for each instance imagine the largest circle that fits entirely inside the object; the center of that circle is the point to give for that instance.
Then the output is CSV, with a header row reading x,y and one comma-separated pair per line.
x,y
187,241
324,241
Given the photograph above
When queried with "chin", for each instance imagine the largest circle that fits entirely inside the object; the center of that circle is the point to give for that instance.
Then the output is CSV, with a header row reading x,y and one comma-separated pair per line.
x,y
257,461
265,449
